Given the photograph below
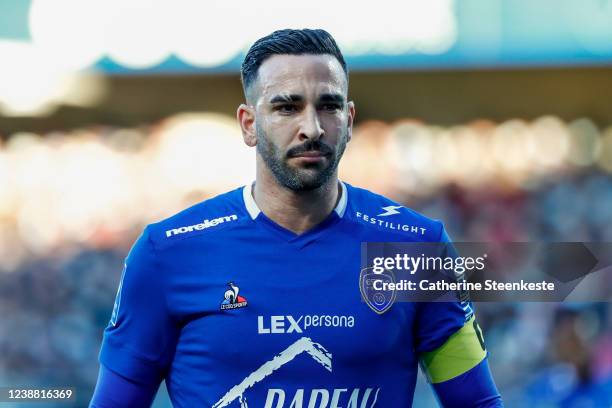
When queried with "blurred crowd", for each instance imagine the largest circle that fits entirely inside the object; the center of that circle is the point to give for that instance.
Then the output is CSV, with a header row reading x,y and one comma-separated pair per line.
x,y
542,354
63,241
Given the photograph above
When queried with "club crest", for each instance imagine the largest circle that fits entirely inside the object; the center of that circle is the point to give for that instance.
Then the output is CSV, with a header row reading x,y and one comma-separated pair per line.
x,y
378,300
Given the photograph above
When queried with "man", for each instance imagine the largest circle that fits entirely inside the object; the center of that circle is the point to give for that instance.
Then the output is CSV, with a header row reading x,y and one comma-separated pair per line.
x,y
250,299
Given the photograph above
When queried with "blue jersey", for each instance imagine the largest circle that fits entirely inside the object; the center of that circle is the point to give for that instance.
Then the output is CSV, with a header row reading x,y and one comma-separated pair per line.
x,y
234,310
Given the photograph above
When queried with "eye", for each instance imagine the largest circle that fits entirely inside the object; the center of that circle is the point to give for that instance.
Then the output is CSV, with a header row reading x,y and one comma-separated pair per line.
x,y
287,108
331,107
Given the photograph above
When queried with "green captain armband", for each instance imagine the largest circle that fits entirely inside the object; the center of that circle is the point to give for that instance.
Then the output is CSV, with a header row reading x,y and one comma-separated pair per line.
x,y
460,353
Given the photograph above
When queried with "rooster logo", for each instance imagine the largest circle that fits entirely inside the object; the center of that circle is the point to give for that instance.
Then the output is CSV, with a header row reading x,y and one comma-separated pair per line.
x,y
232,300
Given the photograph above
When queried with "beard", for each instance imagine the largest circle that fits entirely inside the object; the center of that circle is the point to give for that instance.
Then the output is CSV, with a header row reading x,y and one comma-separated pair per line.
x,y
308,177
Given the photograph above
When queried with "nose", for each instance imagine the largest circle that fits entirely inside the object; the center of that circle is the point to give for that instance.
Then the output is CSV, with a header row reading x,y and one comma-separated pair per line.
x,y
311,125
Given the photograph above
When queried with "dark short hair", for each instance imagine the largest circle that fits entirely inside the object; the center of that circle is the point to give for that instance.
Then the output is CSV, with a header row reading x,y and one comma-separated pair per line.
x,y
288,42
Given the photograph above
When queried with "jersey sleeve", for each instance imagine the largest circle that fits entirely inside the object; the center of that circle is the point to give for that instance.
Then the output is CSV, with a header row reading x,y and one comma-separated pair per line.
x,y
447,337
140,338
115,391
474,388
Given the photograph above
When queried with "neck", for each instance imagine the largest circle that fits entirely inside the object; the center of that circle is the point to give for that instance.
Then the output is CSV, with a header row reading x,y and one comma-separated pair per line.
x,y
297,211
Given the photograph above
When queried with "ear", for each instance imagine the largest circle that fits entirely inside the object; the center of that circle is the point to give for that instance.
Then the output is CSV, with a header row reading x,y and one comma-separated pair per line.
x,y
351,119
246,117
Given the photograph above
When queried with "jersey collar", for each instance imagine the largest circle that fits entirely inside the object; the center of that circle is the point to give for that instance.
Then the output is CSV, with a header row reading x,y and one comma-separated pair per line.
x,y
253,209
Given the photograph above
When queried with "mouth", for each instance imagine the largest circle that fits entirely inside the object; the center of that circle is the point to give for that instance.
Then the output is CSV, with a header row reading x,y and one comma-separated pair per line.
x,y
311,153
310,157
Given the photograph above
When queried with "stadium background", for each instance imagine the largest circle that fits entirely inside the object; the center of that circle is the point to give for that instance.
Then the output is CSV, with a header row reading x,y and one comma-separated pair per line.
x,y
491,115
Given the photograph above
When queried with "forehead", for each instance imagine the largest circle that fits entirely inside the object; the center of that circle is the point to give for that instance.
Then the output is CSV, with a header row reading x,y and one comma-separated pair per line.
x,y
300,74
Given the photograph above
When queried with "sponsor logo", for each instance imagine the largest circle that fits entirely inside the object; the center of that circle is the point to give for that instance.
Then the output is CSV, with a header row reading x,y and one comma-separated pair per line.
x,y
201,226
391,225
390,210
231,299
289,324
323,398
301,398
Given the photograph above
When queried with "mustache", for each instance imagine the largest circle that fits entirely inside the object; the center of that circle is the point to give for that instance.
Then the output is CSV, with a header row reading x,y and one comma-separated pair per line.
x,y
308,146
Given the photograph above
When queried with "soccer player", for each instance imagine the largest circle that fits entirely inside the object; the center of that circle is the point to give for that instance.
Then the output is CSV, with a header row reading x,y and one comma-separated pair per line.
x,y
251,299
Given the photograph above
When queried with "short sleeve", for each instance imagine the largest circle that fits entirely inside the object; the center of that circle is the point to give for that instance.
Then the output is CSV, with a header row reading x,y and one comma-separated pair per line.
x,y
448,339
140,339
437,321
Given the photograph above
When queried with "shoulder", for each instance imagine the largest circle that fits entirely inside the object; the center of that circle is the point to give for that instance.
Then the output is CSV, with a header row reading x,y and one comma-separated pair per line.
x,y
380,213
212,215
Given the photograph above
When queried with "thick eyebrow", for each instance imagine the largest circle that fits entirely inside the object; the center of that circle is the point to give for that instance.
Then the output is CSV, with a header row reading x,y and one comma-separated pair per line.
x,y
332,97
293,98
286,98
